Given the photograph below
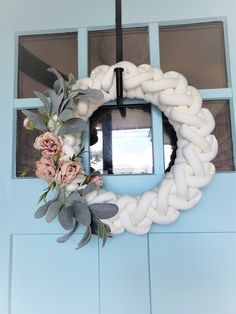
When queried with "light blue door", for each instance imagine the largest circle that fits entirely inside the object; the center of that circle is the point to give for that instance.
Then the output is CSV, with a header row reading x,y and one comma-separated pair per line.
x,y
185,268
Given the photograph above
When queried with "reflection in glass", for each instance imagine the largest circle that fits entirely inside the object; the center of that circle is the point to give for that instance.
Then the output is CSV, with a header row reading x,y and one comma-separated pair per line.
x,y
102,47
26,155
197,51
121,145
36,53
224,161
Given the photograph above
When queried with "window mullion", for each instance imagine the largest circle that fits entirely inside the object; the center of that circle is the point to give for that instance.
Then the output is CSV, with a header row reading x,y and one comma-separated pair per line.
x,y
157,136
83,72
82,52
216,93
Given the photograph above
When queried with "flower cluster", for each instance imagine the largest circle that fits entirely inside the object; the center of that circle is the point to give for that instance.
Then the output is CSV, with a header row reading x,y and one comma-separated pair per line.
x,y
60,162
52,167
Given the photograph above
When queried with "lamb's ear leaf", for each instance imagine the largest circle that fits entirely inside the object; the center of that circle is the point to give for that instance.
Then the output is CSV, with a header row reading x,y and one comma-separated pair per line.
x,y
59,84
85,239
42,110
65,104
89,188
66,114
44,100
94,227
73,197
82,213
103,210
55,99
72,126
53,210
67,236
42,210
35,119
71,80
89,94
65,217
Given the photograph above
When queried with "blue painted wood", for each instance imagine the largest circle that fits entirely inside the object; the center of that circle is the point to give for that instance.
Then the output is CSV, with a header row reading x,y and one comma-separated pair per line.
x,y
47,278
193,273
215,212
208,253
216,94
124,277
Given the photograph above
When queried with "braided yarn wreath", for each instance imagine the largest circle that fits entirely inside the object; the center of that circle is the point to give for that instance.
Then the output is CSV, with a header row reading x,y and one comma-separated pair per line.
x,y
192,169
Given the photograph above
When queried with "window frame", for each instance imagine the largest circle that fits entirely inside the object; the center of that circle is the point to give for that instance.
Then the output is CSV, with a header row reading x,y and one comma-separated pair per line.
x,y
112,181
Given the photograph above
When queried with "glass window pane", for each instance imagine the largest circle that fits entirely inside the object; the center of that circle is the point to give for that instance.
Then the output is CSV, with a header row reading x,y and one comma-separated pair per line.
x,y
102,47
25,153
121,142
197,51
39,52
224,160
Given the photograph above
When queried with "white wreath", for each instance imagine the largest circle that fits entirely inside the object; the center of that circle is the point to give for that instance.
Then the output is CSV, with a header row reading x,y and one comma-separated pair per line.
x,y
192,170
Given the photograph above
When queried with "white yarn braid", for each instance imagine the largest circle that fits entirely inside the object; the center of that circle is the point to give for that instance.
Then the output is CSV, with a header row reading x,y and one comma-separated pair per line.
x,y
192,170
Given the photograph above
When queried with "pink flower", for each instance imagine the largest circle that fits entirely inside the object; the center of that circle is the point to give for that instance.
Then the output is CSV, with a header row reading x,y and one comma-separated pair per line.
x,y
97,180
27,124
45,169
49,143
67,172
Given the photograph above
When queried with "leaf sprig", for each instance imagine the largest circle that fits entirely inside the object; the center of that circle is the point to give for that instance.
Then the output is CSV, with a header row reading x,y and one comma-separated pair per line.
x,y
57,115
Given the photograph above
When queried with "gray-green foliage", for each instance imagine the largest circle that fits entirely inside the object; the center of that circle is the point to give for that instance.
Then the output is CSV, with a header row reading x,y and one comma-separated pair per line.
x,y
72,126
65,217
103,210
71,210
36,119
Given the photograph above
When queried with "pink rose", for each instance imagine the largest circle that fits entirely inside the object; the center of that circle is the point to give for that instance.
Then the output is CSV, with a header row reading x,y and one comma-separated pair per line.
x,y
97,180
49,143
67,172
27,124
45,169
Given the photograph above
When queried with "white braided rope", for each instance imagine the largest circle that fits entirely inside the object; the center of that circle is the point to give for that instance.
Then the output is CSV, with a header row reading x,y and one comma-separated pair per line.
x,y
192,170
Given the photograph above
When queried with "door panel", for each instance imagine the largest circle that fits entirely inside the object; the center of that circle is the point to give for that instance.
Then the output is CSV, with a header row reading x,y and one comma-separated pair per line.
x,y
47,279
197,271
187,267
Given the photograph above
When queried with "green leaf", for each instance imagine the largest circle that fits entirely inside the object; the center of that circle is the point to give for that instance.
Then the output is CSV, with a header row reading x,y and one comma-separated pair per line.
x,y
42,110
103,210
41,211
67,236
55,100
66,115
89,188
44,100
104,240
101,229
53,210
59,84
72,126
65,217
36,120
85,239
94,227
89,94
73,197
72,80
82,213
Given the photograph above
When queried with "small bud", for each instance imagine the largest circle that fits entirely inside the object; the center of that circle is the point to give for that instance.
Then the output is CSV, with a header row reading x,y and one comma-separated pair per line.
x,y
28,124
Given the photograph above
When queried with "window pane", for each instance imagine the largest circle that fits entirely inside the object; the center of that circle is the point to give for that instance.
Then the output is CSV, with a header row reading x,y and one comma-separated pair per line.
x,y
39,52
224,160
102,47
196,51
121,142
25,153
